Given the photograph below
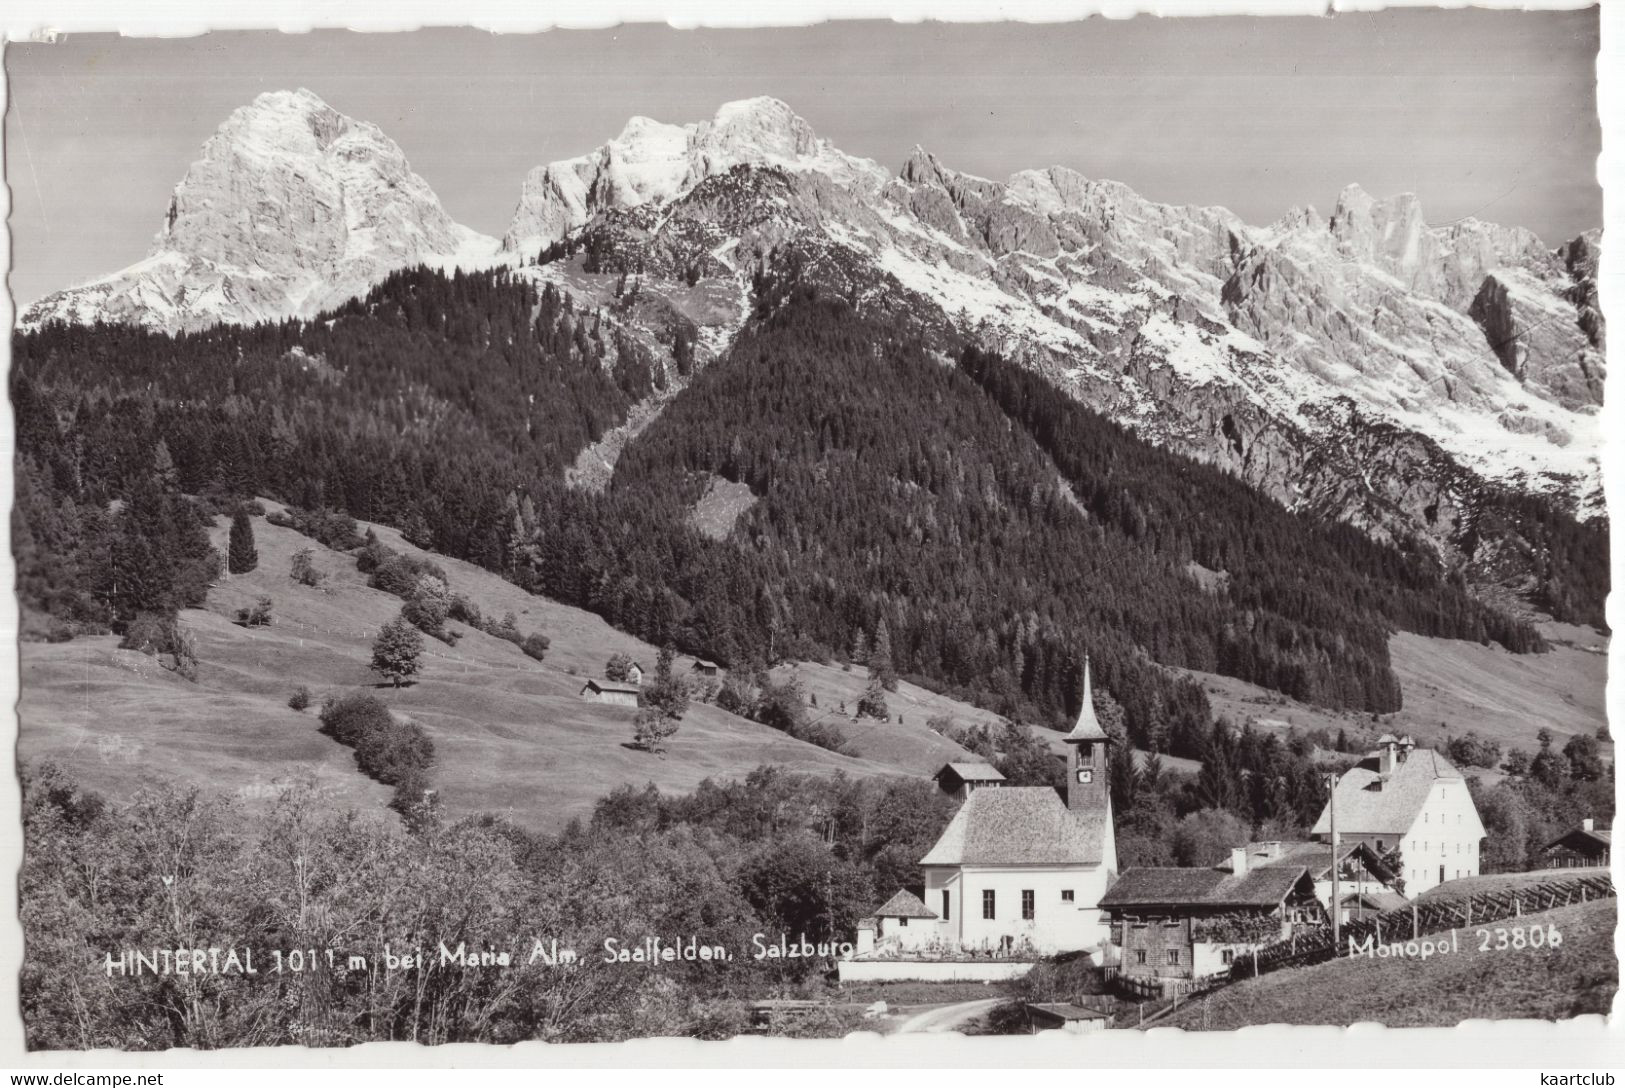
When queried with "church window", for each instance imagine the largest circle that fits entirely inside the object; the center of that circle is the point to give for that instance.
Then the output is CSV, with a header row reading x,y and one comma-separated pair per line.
x,y
945,915
987,902
1066,895
1027,903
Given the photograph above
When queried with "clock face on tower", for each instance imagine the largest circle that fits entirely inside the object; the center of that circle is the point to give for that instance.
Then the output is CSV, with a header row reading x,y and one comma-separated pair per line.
x,y
1085,775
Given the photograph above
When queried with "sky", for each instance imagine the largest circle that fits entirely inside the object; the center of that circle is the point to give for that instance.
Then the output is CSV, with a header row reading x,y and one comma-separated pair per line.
x,y
1483,113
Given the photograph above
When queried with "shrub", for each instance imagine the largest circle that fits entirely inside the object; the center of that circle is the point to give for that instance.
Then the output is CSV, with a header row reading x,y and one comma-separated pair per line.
x,y
397,650
466,611
155,633
536,645
303,569
386,750
618,668
257,616
401,574
650,729
335,530
300,699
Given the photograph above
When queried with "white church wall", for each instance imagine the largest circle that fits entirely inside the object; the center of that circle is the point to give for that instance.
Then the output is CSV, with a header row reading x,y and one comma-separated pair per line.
x,y
1057,925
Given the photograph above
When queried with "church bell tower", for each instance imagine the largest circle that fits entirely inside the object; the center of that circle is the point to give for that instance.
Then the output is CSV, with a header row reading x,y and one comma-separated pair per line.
x,y
1086,783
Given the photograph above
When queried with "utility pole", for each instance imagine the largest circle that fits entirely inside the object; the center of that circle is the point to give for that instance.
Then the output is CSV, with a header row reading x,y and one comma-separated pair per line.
x,y
1337,909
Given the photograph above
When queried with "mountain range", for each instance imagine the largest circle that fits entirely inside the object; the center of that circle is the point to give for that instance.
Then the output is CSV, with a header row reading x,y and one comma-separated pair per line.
x,y
1362,364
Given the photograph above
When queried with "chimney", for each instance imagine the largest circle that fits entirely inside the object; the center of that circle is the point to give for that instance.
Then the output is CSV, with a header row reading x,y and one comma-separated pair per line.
x,y
1588,824
1238,860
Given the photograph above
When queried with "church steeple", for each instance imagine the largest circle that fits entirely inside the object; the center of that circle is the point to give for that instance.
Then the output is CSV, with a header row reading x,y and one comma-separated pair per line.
x,y
1086,785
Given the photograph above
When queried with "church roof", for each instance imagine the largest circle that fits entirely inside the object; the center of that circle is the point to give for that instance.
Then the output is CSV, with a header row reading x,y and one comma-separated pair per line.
x,y
905,904
1088,727
1202,887
1367,802
1020,825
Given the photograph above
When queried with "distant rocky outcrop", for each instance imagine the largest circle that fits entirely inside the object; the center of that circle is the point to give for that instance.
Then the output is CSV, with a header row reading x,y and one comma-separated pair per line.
x,y
292,207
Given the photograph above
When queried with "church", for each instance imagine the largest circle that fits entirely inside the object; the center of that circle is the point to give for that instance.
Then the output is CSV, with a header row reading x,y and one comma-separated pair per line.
x,y
1020,868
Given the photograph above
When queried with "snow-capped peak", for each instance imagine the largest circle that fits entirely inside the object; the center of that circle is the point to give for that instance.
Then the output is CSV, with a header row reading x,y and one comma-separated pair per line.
x,y
292,207
654,162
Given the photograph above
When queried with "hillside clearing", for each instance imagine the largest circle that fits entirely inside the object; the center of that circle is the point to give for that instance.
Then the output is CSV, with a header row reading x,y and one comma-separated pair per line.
x,y
512,736
1580,976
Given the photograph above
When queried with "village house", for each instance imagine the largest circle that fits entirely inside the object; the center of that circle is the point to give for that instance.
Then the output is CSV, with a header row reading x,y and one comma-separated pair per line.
x,y
960,780
1178,924
606,691
705,668
1364,884
891,924
1020,870
634,674
1411,800
1581,847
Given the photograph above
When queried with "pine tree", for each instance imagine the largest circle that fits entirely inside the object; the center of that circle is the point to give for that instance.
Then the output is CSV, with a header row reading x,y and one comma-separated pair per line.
x,y
242,556
880,663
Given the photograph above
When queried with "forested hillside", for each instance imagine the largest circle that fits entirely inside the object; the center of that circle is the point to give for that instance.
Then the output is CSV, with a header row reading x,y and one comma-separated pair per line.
x,y
997,529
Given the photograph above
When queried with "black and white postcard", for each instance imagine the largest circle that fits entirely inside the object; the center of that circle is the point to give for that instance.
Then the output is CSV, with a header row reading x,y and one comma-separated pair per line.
x,y
1009,529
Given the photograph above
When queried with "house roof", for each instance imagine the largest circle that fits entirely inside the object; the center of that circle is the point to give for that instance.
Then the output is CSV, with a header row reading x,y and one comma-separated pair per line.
x,y
1088,727
611,686
702,663
1367,802
1316,857
1376,900
905,904
1020,825
1063,1010
972,772
1202,887
1598,838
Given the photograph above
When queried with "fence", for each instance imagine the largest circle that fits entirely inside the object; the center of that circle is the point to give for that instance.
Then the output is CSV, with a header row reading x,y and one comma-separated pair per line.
x,y
1409,923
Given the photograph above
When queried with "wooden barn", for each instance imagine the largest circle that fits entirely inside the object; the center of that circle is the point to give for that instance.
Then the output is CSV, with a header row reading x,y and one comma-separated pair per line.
x,y
605,691
1584,847
959,780
705,668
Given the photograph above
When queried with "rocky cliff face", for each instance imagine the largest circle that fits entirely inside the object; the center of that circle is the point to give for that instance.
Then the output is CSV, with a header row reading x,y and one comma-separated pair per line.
x,y
292,207
1363,363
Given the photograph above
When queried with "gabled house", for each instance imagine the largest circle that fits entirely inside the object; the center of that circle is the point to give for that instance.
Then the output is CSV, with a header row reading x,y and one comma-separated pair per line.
x,y
634,674
1362,877
960,780
1413,800
1024,867
1581,847
1191,923
891,924
705,668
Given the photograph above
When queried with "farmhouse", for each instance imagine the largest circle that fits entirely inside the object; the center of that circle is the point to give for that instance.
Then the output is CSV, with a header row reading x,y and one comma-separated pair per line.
x,y
1172,924
1581,847
1363,880
705,668
605,691
960,780
1021,870
1410,800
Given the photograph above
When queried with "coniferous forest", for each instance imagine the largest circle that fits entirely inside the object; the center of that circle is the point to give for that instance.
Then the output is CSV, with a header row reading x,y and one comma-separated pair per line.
x,y
998,528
